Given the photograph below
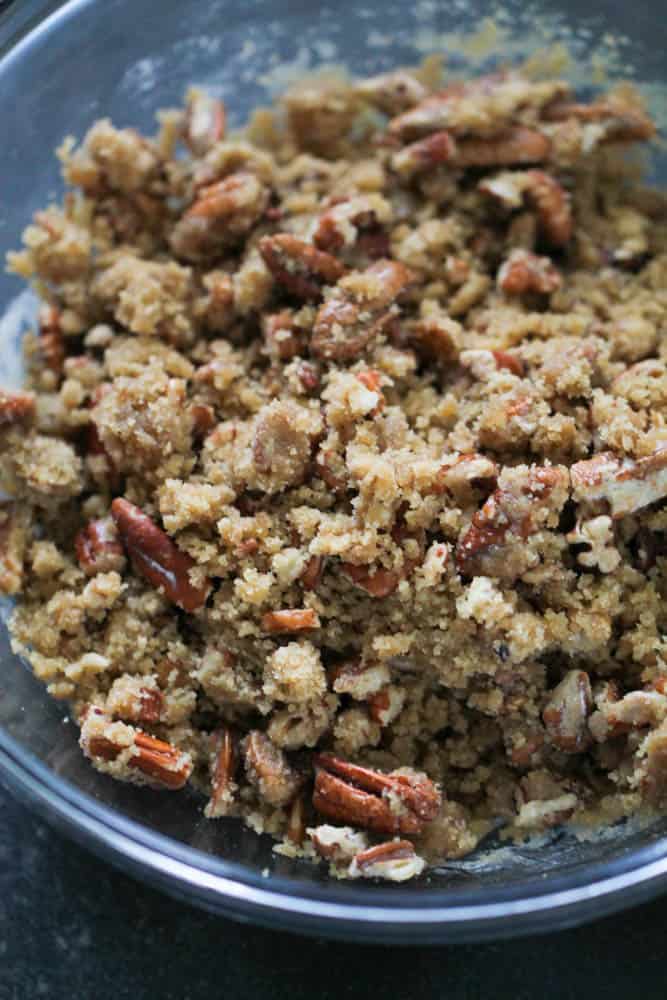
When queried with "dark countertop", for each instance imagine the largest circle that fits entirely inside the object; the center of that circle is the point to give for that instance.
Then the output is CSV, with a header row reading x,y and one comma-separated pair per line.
x,y
71,926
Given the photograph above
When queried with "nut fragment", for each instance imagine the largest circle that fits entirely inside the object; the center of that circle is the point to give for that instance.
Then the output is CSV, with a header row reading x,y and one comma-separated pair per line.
x,y
358,310
515,508
205,120
268,770
524,271
160,762
290,620
377,583
626,485
566,713
387,803
511,148
156,557
223,766
301,268
98,548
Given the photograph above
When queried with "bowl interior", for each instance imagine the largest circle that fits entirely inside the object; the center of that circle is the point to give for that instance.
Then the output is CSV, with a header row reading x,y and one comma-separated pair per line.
x,y
126,58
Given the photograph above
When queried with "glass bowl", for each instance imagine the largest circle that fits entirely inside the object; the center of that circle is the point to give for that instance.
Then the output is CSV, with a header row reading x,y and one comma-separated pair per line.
x,y
61,67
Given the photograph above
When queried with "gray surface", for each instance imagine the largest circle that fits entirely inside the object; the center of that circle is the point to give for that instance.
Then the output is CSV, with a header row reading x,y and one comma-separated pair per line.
x,y
70,926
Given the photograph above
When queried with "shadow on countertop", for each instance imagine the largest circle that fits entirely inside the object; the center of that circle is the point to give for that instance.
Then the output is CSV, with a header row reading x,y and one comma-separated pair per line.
x,y
70,926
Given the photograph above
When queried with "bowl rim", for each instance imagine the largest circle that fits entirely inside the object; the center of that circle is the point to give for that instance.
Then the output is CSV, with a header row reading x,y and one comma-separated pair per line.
x,y
537,903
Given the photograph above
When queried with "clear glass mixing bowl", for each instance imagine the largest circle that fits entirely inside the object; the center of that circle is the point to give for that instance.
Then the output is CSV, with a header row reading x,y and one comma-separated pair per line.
x,y
62,66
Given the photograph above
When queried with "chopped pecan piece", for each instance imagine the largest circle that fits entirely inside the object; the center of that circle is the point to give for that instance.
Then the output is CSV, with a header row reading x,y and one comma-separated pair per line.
x,y
205,121
312,574
98,548
337,843
296,821
617,121
221,215
359,679
479,107
654,769
280,338
626,485
16,407
161,763
290,620
300,267
378,583
386,705
340,225
156,557
268,770
223,767
386,803
515,508
203,419
566,713
545,196
511,148
358,310
395,860
135,699
541,814
524,271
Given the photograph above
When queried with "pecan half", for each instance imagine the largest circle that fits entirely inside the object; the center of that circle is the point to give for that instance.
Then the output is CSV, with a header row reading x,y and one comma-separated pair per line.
x,y
16,407
299,267
205,121
98,548
425,154
268,770
156,557
524,271
626,485
386,803
160,762
223,767
566,712
290,620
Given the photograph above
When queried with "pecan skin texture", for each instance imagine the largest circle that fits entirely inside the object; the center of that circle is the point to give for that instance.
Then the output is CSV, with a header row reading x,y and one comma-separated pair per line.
x,y
359,796
156,557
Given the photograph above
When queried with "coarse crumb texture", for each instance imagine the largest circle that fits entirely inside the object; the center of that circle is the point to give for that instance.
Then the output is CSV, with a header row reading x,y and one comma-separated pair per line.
x,y
338,482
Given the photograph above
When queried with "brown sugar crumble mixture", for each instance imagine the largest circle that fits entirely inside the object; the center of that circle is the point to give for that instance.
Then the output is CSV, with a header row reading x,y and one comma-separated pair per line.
x,y
338,481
